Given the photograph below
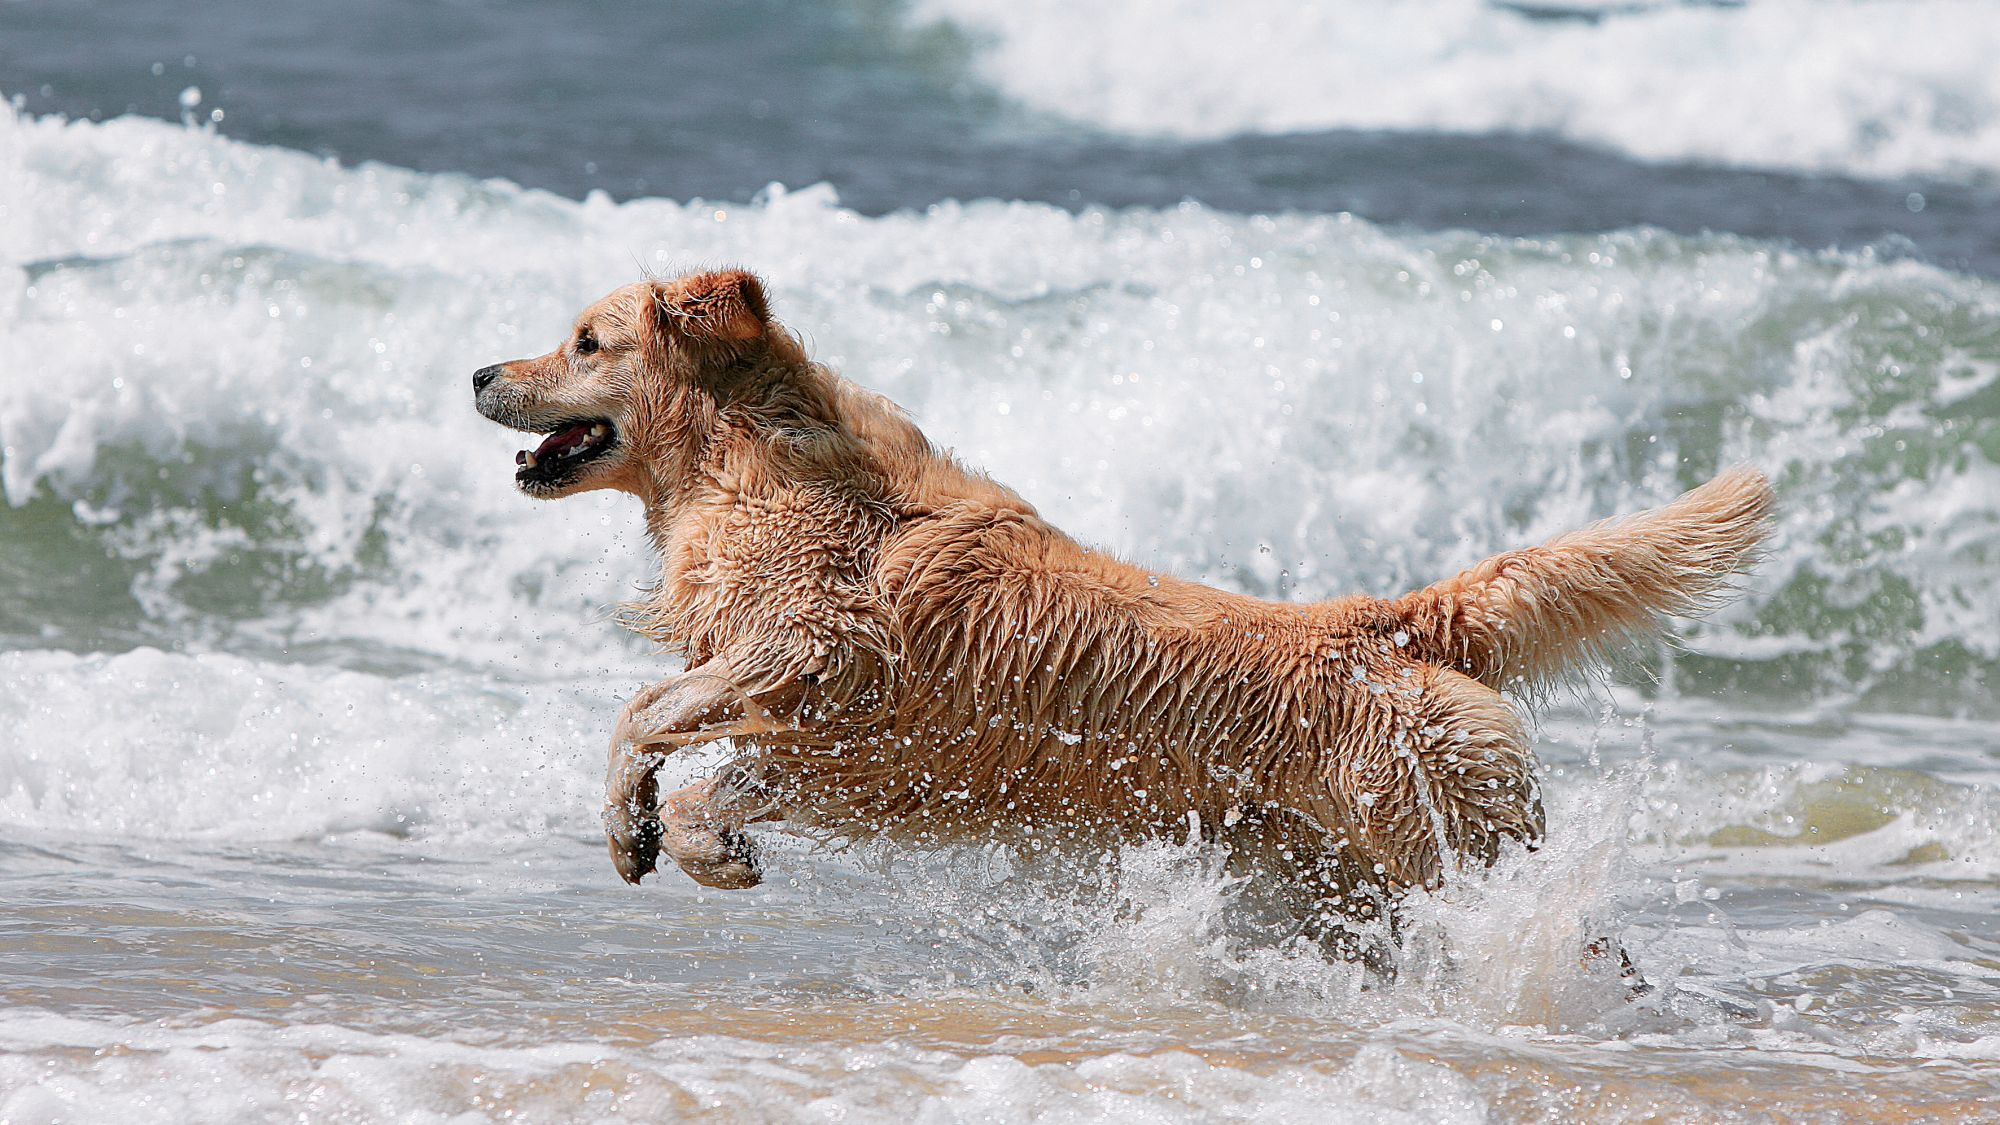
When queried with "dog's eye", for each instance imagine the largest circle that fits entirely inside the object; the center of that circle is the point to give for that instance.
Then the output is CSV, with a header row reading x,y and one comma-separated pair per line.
x,y
586,344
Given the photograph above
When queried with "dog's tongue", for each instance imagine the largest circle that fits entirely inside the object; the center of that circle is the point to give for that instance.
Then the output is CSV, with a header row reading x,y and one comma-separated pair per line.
x,y
562,441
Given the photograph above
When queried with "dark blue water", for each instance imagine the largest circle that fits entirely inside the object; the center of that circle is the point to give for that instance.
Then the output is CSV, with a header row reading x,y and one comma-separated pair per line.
x,y
715,100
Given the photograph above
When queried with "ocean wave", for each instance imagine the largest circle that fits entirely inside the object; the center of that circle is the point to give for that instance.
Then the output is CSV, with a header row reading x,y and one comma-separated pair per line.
x,y
153,745
237,410
1856,87
65,1068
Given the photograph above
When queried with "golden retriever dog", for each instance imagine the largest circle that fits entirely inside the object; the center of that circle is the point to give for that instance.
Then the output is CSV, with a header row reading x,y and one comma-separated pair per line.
x,y
896,645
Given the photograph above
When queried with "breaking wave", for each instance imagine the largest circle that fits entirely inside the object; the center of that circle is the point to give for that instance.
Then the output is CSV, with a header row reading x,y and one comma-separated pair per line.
x,y
1856,87
237,412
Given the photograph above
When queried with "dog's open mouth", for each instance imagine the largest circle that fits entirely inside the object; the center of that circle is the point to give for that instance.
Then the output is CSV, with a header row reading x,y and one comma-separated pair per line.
x,y
565,450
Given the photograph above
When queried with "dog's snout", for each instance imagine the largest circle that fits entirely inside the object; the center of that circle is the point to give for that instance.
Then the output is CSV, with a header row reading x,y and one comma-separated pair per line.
x,y
484,376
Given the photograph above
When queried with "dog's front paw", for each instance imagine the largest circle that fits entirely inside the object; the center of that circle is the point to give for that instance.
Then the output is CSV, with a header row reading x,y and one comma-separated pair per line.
x,y
725,860
634,839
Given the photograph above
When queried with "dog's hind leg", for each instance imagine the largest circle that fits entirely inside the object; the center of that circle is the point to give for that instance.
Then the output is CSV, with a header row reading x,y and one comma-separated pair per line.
x,y
702,705
1599,948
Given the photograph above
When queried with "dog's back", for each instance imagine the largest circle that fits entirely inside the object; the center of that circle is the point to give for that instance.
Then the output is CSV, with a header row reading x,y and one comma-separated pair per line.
x,y
1032,687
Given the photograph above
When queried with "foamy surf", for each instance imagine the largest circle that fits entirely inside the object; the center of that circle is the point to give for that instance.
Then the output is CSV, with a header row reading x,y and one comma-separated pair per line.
x,y
201,1074
305,706
1895,89
265,436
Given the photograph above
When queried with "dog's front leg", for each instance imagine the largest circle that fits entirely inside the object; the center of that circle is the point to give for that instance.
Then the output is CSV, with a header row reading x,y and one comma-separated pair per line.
x,y
701,827
701,705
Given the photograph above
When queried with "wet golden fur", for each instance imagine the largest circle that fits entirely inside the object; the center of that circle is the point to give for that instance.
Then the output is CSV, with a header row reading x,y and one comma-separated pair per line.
x,y
898,645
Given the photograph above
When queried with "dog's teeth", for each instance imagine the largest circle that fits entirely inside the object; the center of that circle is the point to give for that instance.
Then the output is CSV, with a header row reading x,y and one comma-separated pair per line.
x,y
525,459
597,431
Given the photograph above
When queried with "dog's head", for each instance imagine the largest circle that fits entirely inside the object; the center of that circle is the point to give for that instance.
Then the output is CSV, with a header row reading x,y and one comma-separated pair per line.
x,y
629,385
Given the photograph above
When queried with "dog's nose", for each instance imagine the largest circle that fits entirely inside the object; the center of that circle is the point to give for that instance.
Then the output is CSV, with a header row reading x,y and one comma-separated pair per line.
x,y
483,376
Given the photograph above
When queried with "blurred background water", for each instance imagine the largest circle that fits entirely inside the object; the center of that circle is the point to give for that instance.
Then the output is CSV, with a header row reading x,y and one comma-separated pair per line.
x,y
300,704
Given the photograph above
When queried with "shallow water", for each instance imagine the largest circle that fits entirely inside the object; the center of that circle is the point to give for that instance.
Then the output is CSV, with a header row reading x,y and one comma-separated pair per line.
x,y
301,706
362,977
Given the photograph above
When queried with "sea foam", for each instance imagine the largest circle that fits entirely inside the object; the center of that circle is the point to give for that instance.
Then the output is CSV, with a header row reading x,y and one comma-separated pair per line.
x,y
264,580
239,452
237,406
1897,88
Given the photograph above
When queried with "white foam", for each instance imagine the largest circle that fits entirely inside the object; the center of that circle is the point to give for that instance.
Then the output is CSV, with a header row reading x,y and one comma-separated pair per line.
x,y
1299,404
1882,88
418,650
245,372
1494,949
147,744
57,1068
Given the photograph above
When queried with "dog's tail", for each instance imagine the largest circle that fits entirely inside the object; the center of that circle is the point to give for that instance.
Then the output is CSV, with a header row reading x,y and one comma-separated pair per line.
x,y
1534,615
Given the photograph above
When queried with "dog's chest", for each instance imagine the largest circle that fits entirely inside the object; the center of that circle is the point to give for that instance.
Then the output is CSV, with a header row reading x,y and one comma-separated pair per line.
x,y
744,564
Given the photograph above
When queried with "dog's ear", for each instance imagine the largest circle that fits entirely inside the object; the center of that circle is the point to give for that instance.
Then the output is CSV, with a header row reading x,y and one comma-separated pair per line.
x,y
727,307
